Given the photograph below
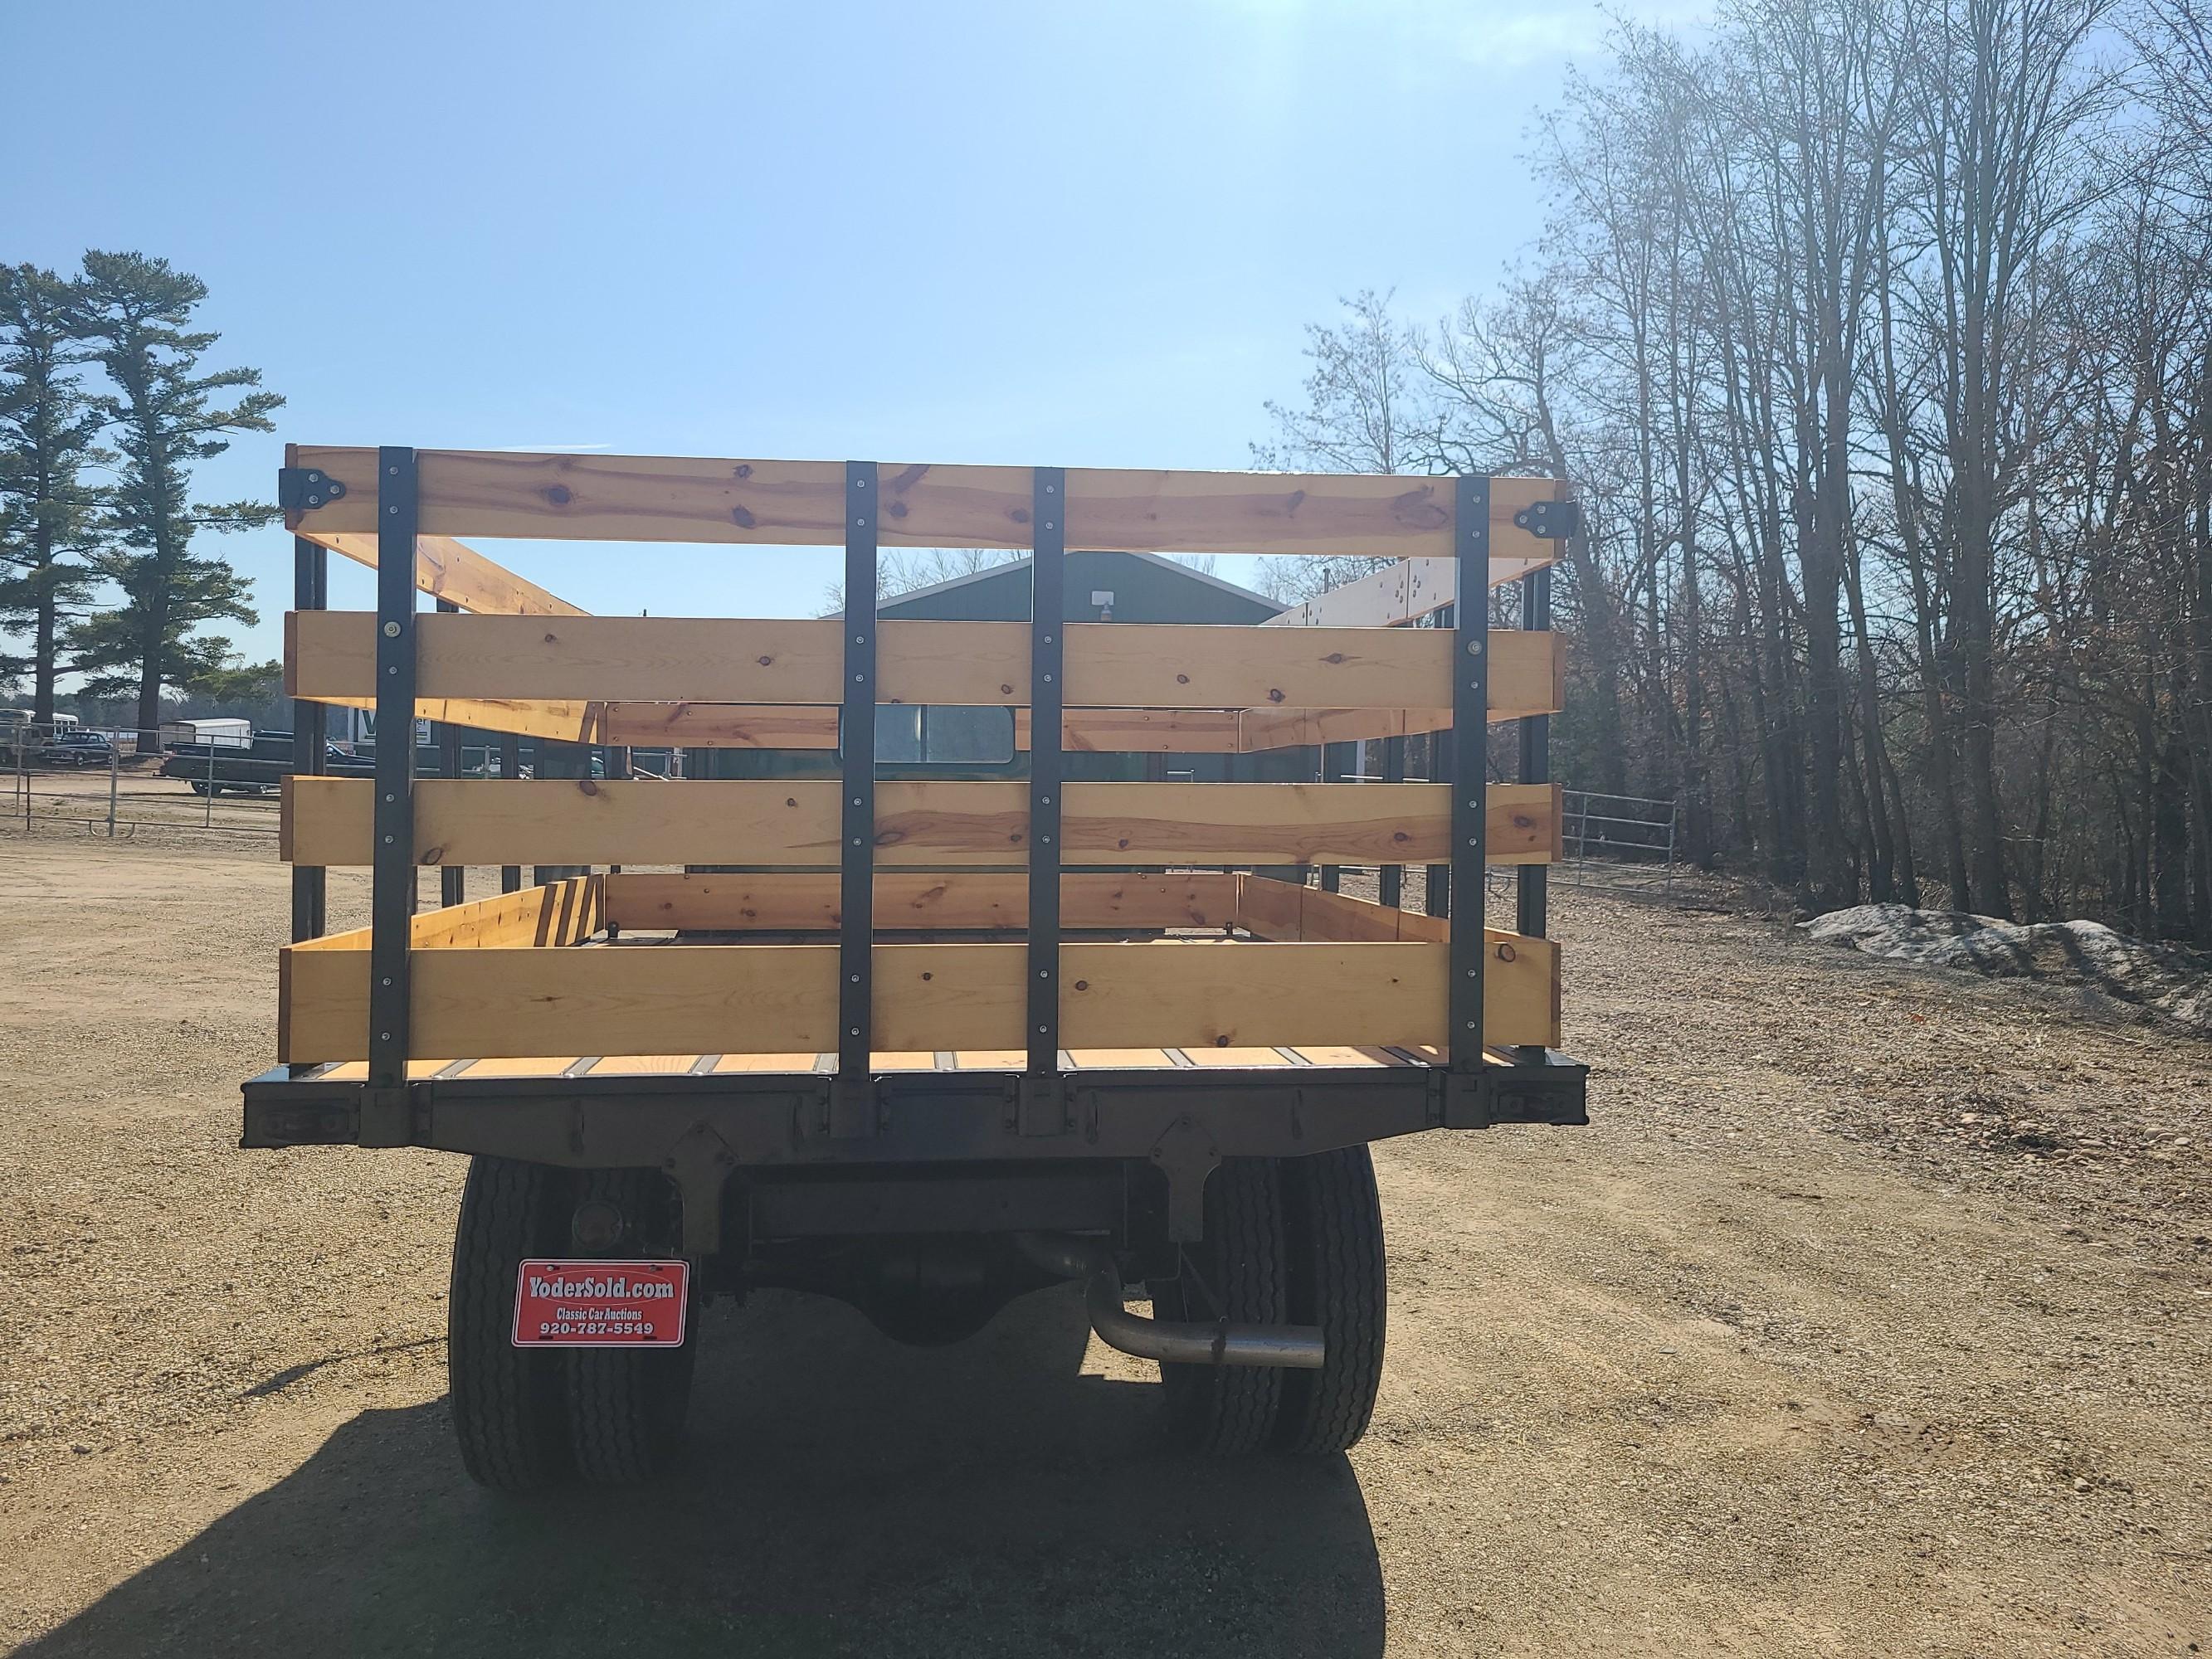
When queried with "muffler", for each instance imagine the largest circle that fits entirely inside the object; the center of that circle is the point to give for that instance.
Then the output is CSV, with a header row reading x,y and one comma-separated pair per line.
x,y
1296,1347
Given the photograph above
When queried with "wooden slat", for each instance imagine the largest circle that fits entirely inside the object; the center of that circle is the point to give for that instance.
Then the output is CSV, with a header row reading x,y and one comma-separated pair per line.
x,y
565,722
564,912
1261,729
1244,1057
1284,910
794,901
683,499
455,571
743,725
1528,676
356,1071
1268,909
524,1065
1119,665
1415,587
1142,730
806,1061
1343,1056
740,999
644,1064
589,821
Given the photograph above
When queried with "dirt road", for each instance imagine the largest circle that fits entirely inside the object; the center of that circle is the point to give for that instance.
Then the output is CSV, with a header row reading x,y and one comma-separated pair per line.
x,y
1869,1318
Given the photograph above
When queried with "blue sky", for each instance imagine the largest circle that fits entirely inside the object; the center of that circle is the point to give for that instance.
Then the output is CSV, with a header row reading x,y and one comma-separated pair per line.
x,y
1081,234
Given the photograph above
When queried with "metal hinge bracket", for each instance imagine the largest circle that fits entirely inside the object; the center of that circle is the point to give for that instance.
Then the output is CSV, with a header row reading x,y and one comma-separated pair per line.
x,y
1044,1106
302,488
1458,1100
852,1109
1553,521
388,1116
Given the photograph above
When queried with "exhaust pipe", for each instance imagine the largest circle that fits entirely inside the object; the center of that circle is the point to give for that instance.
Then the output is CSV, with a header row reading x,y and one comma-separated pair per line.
x,y
1296,1347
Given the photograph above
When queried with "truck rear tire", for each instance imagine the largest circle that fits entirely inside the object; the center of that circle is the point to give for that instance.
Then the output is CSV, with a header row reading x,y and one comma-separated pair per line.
x,y
509,1409
1333,1223
626,1406
1239,1272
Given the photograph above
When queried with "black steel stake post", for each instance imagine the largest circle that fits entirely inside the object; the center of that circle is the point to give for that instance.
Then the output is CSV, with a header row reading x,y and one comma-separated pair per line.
x,y
452,878
1332,771
386,1117
1042,1111
1392,882
1436,891
852,1094
1469,750
1532,892
311,570
510,767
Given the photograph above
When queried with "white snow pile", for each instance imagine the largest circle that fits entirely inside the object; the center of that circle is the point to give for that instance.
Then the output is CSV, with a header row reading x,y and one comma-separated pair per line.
x,y
2087,954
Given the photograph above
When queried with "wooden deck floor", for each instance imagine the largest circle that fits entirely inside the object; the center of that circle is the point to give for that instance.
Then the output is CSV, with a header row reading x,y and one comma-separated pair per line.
x,y
966,1060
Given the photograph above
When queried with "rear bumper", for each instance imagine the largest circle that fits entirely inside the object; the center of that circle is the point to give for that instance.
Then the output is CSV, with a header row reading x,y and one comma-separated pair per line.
x,y
701,1128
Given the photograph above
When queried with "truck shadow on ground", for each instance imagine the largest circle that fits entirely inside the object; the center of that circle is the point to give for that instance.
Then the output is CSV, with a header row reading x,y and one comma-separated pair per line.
x,y
841,1494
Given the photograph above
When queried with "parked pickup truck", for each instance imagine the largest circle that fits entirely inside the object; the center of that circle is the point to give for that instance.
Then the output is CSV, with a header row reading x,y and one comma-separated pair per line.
x,y
937,1042
256,768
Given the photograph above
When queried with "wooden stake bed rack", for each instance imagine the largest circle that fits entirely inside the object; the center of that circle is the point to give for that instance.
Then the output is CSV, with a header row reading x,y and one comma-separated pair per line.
x,y
908,969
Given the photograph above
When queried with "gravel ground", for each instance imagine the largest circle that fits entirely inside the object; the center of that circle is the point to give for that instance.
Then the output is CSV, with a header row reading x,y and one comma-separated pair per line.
x,y
1869,1318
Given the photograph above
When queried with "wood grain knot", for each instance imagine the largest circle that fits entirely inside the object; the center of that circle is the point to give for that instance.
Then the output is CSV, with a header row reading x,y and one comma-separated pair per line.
x,y
1182,679
742,518
587,785
1019,515
1274,695
1505,953
898,509
742,470
791,801
928,976
767,662
1418,509
552,639
557,494
1005,690
1083,984
432,855
1222,1041
1334,657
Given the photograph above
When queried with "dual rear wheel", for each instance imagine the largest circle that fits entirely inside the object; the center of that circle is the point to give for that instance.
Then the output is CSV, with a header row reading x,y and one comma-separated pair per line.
x,y
1290,1240
531,1417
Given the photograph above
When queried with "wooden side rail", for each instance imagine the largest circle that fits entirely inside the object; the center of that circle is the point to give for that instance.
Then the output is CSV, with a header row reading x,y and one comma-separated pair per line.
x,y
1092,731
559,913
683,499
796,900
1116,665
739,999
462,821
458,573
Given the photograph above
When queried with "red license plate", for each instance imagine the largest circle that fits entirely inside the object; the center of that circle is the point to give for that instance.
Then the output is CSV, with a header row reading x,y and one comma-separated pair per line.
x,y
592,1305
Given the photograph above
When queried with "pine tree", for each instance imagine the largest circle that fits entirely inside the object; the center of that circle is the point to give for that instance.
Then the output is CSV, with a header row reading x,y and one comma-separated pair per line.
x,y
47,429
136,312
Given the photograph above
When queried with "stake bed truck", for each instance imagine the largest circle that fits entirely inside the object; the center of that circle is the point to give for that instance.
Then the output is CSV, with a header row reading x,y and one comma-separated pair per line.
x,y
922,1042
